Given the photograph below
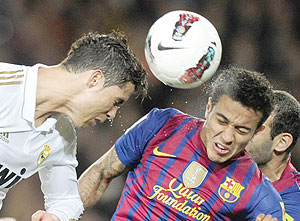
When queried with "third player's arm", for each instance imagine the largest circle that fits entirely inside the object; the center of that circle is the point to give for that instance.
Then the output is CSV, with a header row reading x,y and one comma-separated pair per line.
x,y
94,181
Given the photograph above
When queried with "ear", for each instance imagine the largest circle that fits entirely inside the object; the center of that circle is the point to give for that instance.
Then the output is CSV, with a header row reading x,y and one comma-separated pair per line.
x,y
283,141
208,107
96,77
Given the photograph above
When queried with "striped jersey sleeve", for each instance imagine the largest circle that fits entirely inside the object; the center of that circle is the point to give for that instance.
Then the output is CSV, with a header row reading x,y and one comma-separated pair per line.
x,y
130,146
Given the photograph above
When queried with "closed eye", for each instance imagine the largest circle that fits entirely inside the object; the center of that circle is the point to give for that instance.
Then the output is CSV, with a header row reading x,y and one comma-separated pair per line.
x,y
119,102
223,122
242,130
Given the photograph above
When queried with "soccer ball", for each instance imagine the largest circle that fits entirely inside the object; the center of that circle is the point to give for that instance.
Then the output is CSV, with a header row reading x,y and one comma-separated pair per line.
x,y
183,49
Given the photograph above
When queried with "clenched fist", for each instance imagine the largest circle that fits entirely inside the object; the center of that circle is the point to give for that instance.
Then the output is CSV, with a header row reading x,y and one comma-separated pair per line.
x,y
41,215
263,217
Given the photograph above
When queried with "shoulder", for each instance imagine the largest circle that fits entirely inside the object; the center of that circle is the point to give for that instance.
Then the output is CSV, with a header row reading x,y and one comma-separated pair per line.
x,y
66,131
289,180
156,118
164,113
64,126
252,177
5,67
11,96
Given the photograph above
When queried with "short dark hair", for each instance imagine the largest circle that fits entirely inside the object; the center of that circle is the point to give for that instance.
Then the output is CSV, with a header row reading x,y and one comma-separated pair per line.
x,y
250,88
111,54
286,116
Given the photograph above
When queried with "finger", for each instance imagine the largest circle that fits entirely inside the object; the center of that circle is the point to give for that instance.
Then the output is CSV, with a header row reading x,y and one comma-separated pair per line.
x,y
260,217
269,218
7,219
37,216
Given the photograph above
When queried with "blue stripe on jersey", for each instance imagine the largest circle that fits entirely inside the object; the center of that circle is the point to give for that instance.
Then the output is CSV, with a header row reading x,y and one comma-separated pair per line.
x,y
169,163
290,196
215,196
267,199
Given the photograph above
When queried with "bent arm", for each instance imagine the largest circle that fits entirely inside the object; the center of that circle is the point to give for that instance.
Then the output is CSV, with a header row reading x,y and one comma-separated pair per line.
x,y
60,187
95,180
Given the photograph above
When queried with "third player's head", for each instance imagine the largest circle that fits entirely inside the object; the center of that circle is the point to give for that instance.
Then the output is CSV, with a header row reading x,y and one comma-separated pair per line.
x,y
111,72
239,102
281,130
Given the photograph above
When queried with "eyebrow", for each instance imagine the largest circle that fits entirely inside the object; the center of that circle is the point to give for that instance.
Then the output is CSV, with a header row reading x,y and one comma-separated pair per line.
x,y
227,120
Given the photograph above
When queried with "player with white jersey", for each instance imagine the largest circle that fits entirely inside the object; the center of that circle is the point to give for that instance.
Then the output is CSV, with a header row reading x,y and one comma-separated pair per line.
x,y
40,104
25,149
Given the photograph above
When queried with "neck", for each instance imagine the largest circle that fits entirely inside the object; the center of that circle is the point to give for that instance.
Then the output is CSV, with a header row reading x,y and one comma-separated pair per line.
x,y
53,92
274,168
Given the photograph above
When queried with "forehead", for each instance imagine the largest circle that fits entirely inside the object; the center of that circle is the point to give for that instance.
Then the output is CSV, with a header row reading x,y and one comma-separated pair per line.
x,y
236,113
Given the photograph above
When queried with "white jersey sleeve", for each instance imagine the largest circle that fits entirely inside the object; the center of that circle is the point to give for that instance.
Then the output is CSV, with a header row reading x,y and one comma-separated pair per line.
x,y
60,188
59,179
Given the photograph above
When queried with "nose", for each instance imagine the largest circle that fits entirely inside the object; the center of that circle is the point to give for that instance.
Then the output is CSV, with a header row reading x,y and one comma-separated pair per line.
x,y
228,135
112,113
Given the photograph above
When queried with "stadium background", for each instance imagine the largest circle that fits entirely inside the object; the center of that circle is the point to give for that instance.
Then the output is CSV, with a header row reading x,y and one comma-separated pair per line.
x,y
261,35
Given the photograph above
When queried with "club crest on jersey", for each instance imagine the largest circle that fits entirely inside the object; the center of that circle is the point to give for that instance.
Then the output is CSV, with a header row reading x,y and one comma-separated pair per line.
x,y
230,190
183,25
4,137
44,154
194,175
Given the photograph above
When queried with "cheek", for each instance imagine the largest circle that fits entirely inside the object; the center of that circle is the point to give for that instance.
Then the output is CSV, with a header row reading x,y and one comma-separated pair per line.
x,y
214,128
242,142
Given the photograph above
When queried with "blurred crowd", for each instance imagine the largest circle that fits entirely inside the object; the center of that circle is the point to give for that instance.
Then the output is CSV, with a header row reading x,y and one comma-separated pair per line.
x,y
260,35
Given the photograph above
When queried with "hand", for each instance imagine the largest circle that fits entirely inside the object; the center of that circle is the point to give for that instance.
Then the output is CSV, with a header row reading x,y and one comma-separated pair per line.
x,y
263,217
7,219
41,215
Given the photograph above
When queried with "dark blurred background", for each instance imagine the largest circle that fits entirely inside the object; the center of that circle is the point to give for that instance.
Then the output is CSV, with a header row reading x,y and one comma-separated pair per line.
x,y
260,35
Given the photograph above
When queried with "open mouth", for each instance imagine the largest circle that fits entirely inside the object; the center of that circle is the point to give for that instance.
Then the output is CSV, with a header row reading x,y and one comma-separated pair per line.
x,y
220,149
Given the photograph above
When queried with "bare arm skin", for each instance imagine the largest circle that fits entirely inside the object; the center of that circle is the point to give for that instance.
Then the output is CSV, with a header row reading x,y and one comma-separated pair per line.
x,y
94,181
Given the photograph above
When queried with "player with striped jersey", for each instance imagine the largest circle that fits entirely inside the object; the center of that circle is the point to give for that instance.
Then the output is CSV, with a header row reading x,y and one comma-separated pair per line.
x,y
271,149
40,105
186,168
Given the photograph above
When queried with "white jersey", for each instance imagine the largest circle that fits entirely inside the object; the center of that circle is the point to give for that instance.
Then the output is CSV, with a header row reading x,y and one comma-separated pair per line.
x,y
49,149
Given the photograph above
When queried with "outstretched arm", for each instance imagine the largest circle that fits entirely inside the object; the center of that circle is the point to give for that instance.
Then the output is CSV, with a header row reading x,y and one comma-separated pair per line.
x,y
94,181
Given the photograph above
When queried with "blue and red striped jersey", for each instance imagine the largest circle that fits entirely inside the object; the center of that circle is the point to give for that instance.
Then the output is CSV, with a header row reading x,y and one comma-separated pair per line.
x,y
288,187
172,177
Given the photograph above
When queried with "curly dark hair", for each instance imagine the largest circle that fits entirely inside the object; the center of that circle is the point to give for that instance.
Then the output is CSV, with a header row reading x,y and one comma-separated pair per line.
x,y
111,54
286,117
251,89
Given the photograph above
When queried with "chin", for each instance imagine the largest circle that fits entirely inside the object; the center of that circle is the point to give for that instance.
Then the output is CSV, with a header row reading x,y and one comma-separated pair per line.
x,y
216,158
